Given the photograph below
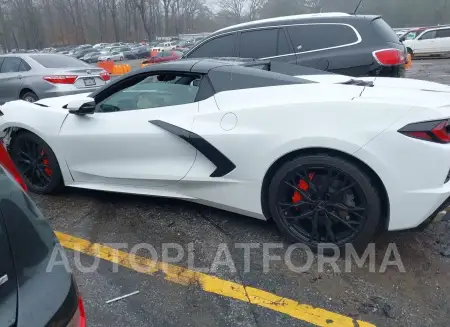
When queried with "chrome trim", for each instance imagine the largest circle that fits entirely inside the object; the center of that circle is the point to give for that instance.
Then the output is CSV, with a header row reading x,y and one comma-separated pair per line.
x,y
359,38
3,279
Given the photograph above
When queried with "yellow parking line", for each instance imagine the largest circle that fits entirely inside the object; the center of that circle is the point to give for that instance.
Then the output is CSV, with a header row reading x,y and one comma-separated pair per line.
x,y
211,284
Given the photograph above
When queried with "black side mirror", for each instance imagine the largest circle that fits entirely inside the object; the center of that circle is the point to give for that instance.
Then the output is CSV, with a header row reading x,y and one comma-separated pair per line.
x,y
82,107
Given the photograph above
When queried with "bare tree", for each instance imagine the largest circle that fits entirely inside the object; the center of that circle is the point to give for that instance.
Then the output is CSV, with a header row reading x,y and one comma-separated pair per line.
x,y
254,8
112,7
166,6
233,8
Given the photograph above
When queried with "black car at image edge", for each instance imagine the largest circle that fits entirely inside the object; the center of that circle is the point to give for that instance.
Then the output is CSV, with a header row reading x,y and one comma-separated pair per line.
x,y
354,45
32,292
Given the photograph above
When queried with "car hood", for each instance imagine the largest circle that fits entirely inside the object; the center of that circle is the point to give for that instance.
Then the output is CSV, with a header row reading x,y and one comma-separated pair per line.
x,y
383,82
61,101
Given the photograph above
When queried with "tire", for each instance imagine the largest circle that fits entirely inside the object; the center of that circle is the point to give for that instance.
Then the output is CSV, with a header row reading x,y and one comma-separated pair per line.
x,y
410,52
48,164
29,97
364,194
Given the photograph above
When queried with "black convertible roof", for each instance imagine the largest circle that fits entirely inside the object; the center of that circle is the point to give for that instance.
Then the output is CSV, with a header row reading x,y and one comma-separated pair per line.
x,y
226,73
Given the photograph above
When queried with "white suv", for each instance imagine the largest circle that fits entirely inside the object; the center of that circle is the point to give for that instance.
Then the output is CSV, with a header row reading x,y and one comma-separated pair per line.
x,y
433,41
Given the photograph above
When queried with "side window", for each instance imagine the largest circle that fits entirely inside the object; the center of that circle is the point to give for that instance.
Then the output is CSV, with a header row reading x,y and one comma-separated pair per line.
x,y
258,44
11,65
428,35
283,43
153,92
443,33
24,67
222,46
320,36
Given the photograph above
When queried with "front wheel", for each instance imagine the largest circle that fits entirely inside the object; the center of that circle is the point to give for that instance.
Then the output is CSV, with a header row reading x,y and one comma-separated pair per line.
x,y
37,163
321,198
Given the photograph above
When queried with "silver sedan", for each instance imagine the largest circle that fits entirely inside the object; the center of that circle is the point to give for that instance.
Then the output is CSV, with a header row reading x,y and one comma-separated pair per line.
x,y
35,76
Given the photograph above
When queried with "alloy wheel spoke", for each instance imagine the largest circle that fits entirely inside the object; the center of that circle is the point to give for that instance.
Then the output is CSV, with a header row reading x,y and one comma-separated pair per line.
x,y
329,228
292,205
341,190
315,227
302,216
343,221
302,193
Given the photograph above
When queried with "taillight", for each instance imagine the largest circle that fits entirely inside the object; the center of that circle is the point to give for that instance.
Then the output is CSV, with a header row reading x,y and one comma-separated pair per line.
x,y
433,131
61,79
105,76
390,57
82,312
79,318
7,163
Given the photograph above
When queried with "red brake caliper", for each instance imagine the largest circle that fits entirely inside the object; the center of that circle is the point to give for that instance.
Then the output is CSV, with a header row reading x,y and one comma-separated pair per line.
x,y
303,185
48,171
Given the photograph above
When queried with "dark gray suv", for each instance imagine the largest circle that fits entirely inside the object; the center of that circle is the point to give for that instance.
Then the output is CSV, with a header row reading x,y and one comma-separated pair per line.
x,y
341,43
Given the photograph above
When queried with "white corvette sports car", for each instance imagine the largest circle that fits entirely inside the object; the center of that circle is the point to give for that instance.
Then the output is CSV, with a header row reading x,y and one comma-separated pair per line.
x,y
329,158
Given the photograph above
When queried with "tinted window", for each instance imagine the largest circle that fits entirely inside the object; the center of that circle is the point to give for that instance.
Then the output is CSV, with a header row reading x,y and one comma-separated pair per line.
x,y
11,65
314,37
222,46
385,31
258,44
428,35
283,44
443,33
58,61
24,67
154,91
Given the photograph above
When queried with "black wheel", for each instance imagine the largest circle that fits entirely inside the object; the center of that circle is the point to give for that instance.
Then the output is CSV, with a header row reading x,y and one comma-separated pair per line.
x,y
29,97
410,51
37,163
324,199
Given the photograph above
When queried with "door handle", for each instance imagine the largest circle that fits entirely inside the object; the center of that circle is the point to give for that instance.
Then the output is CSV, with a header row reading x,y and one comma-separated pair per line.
x,y
3,279
19,76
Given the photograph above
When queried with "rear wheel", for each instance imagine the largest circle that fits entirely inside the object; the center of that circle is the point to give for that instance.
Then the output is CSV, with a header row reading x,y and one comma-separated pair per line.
x,y
29,97
37,163
320,198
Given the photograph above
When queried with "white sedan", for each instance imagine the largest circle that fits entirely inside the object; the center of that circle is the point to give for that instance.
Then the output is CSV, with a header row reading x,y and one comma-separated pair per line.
x,y
327,157
113,56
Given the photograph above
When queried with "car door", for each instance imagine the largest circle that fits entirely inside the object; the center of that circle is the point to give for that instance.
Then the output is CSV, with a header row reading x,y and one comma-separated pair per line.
x,y
314,43
10,79
267,43
443,40
8,281
426,43
118,145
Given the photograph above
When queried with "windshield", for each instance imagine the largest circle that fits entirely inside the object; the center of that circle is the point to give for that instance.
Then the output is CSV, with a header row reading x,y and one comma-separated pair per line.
x,y
58,61
411,35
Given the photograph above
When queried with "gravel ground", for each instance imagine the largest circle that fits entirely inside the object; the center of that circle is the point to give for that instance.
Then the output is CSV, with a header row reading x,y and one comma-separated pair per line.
x,y
418,297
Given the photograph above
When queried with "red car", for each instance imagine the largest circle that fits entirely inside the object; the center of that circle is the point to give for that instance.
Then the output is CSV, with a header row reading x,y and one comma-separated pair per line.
x,y
163,56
